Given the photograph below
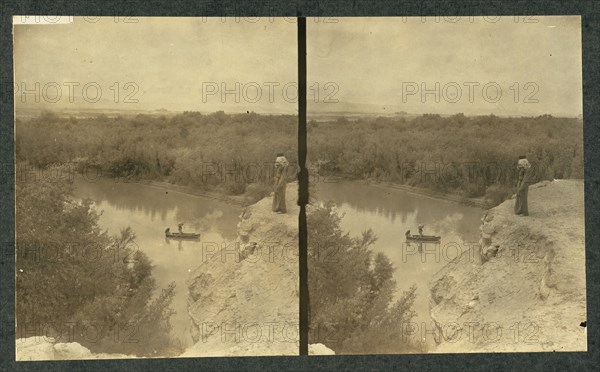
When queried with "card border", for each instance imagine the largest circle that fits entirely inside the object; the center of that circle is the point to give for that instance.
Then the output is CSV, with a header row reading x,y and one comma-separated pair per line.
x,y
589,10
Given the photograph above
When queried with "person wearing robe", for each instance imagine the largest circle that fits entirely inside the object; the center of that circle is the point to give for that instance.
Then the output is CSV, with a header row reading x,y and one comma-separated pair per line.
x,y
280,183
524,176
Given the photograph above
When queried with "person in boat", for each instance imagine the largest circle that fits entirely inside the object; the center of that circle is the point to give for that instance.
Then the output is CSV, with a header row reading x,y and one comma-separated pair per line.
x,y
523,180
279,179
421,229
180,228
168,231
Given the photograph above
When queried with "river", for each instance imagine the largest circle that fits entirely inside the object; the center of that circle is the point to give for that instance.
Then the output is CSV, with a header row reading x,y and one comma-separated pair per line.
x,y
148,211
390,213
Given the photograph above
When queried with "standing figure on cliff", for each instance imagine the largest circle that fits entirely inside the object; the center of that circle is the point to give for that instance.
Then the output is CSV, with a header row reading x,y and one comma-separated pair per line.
x,y
524,178
279,179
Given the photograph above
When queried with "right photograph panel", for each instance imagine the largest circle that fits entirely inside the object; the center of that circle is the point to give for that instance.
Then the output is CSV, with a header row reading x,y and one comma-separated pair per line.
x,y
446,206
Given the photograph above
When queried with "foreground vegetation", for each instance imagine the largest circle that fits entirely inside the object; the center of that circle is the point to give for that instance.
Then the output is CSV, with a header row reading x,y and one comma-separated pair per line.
x,y
75,283
351,290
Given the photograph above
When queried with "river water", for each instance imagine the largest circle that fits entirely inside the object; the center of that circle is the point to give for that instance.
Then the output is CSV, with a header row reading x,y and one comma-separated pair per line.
x,y
149,211
390,213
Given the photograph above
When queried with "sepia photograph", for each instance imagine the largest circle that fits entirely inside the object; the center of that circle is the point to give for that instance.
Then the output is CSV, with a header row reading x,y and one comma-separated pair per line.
x,y
156,194
446,185
159,182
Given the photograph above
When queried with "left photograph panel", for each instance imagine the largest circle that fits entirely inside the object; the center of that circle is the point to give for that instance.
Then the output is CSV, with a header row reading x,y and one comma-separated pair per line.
x,y
155,186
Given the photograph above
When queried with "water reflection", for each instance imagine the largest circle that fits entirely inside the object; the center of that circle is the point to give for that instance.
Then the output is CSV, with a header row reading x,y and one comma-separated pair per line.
x,y
148,211
178,242
390,213
156,204
403,208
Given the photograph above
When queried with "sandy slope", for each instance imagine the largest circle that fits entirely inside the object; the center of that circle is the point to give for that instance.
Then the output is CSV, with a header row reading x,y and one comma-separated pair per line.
x,y
244,300
528,291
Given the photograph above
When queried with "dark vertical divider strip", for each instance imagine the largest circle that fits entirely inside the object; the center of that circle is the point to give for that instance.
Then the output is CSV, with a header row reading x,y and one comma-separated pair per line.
x,y
302,187
7,201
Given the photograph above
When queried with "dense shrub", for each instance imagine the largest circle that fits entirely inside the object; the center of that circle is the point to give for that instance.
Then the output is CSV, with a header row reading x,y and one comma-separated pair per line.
x,y
212,152
351,291
456,154
467,156
76,283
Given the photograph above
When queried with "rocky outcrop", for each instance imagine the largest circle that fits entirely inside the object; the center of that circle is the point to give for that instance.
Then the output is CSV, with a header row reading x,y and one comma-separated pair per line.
x,y
319,349
243,298
523,288
44,348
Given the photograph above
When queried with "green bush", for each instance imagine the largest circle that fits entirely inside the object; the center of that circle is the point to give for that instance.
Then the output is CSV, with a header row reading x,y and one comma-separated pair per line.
x,y
484,150
187,149
351,291
183,148
72,274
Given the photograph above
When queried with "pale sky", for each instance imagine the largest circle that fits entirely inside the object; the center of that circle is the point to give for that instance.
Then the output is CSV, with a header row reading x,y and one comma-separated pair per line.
x,y
372,59
168,58
372,64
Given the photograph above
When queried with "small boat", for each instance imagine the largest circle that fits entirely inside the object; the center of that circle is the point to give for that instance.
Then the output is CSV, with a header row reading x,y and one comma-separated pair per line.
x,y
178,235
423,238
183,235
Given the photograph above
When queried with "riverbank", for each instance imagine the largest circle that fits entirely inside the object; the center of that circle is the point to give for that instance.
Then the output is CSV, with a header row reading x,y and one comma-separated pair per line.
x,y
471,202
243,299
524,288
239,200
480,202
254,192
243,200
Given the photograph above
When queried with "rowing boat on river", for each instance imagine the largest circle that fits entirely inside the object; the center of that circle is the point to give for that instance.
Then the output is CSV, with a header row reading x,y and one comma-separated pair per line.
x,y
181,235
423,238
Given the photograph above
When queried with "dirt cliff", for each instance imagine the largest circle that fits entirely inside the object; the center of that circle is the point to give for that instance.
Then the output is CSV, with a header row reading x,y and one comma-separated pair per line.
x,y
243,298
523,287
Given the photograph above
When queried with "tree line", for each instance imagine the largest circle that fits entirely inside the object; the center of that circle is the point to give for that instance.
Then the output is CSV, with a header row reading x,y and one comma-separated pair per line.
x,y
216,152
474,157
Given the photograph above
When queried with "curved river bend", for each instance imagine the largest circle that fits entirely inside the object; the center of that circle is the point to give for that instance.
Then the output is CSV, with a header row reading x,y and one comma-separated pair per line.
x,y
388,212
149,211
